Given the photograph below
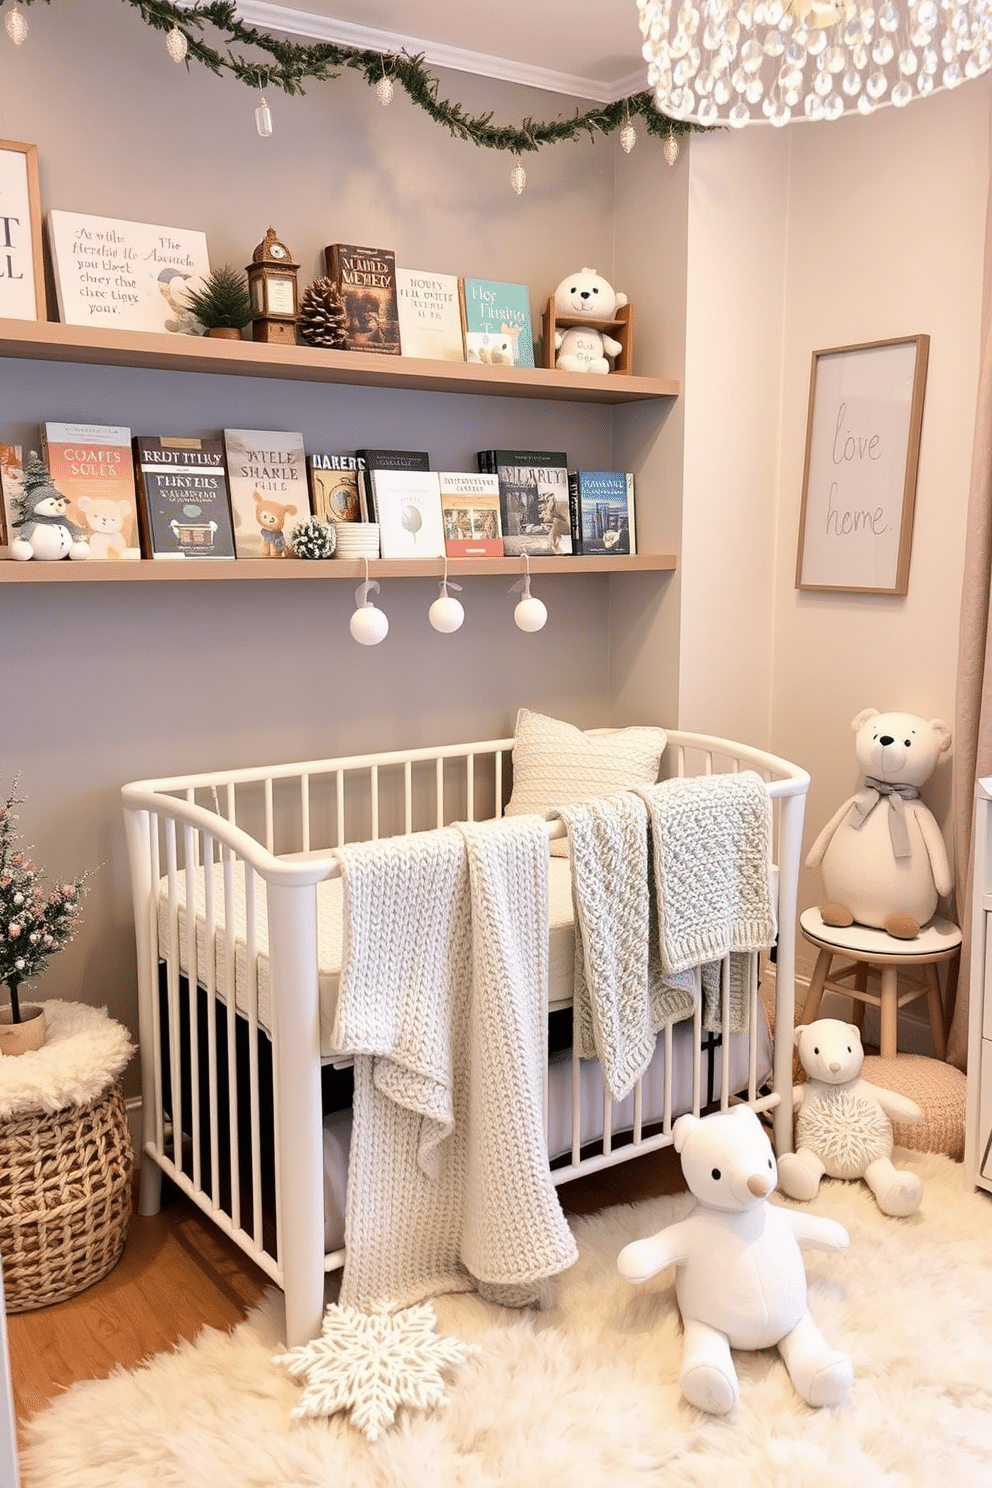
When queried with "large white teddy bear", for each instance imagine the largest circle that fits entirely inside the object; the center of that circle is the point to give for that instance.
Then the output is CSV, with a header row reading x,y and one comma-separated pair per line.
x,y
586,348
740,1278
843,1123
881,855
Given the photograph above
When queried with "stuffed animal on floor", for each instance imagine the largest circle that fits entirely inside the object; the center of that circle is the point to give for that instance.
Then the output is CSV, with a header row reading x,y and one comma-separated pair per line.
x,y
881,855
740,1278
586,348
844,1124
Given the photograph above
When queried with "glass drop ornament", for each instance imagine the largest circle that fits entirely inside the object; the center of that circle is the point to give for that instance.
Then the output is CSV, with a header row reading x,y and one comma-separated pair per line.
x,y
15,25
670,148
176,45
518,178
384,91
628,138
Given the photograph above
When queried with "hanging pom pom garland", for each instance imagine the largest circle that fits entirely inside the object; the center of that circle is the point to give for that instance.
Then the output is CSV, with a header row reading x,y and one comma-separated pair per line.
x,y
368,625
15,25
176,45
263,117
530,614
446,614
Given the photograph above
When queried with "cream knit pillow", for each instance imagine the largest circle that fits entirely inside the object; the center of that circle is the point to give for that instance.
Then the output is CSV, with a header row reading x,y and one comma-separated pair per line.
x,y
556,764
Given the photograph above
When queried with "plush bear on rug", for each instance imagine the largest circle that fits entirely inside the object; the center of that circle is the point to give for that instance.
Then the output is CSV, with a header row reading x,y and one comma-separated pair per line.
x,y
844,1124
881,855
740,1278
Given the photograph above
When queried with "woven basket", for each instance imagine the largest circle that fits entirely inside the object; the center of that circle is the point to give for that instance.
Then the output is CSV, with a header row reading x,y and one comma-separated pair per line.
x,y
65,1199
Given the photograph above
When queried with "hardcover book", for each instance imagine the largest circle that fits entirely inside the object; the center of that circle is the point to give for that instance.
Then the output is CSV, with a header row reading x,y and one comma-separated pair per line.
x,y
366,280
602,508
408,510
11,485
386,459
128,274
496,324
334,487
533,499
92,466
430,315
184,510
470,512
267,479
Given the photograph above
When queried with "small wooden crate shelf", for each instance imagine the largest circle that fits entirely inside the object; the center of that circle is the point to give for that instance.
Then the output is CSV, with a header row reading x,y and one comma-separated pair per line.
x,y
621,328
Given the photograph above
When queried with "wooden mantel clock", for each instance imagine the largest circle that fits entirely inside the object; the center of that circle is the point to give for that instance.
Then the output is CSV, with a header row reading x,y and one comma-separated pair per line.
x,y
274,293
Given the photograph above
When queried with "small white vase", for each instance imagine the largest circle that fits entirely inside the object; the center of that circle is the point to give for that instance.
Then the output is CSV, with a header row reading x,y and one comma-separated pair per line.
x,y
21,1038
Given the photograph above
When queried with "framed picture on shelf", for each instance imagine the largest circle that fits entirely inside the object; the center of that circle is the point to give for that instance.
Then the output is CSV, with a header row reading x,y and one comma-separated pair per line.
x,y
862,453
22,273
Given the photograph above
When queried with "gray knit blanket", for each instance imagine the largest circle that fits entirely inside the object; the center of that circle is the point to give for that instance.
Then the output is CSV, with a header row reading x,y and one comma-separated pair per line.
x,y
443,1004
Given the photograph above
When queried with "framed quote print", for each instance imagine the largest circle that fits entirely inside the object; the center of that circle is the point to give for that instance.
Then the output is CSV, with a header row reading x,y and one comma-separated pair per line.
x,y
22,274
862,453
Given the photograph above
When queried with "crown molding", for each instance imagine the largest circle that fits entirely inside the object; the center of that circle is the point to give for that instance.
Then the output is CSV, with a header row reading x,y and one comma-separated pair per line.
x,y
306,24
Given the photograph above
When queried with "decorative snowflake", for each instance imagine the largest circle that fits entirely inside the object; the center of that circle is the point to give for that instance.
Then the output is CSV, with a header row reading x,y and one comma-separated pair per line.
x,y
371,1364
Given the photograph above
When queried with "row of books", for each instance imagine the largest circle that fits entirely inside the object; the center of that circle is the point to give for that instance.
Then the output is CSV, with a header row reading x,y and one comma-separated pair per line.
x,y
242,494
420,313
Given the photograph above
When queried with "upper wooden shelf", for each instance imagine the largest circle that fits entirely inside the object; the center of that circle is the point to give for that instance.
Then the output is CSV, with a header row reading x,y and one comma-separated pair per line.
x,y
149,570
52,341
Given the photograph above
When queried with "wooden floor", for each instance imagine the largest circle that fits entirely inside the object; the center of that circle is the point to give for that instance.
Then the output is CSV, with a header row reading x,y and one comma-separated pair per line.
x,y
179,1273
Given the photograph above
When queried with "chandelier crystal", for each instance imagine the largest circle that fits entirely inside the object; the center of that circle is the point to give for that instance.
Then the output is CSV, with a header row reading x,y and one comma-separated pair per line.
x,y
738,62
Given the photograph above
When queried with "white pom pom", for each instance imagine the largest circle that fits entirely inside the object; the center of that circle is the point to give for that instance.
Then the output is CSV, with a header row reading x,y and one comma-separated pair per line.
x,y
446,614
368,625
530,614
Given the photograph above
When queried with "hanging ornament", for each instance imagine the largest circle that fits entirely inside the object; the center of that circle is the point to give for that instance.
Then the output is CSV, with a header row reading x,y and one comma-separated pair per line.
x,y
15,25
671,147
384,90
628,137
530,614
518,178
263,117
368,625
176,45
446,614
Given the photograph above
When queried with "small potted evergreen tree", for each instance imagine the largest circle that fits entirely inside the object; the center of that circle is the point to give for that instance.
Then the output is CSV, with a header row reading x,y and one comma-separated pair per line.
x,y
222,304
34,924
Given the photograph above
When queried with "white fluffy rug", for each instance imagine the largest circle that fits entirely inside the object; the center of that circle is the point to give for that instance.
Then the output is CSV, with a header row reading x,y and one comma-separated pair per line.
x,y
586,1395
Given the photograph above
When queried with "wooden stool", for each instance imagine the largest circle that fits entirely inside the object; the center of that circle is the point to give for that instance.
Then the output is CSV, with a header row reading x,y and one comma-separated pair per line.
x,y
874,951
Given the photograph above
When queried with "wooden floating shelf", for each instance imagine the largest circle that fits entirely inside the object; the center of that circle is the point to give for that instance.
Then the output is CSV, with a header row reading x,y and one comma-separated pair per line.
x,y
92,571
100,346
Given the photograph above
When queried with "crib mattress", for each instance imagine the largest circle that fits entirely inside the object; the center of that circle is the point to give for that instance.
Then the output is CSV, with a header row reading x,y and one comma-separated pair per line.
x,y
251,980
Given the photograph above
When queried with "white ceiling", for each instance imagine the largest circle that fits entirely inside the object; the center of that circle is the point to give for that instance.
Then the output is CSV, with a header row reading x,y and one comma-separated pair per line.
x,y
589,48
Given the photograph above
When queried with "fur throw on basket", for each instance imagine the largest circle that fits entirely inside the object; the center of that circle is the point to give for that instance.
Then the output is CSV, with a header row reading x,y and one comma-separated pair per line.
x,y
85,1051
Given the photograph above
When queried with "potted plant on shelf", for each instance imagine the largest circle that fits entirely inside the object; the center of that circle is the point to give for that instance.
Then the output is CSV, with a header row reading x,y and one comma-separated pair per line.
x,y
222,304
34,924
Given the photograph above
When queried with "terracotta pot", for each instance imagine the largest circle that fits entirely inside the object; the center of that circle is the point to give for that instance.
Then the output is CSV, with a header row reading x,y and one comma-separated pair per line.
x,y
30,1033
225,333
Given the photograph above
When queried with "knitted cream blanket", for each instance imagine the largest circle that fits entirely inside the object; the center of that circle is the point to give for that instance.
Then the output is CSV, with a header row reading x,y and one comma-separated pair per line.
x,y
442,1002
622,996
712,838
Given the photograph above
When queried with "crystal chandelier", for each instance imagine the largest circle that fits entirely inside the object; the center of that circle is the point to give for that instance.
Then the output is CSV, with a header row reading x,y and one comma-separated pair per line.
x,y
739,62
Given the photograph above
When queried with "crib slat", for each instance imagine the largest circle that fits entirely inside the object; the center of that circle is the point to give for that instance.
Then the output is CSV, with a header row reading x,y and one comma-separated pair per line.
x,y
228,863
193,959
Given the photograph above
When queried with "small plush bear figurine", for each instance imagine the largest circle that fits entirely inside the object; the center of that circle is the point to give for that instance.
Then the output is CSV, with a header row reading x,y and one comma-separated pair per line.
x,y
740,1278
881,855
843,1123
586,348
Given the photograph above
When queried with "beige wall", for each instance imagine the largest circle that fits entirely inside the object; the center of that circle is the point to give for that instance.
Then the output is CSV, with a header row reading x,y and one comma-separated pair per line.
x,y
755,250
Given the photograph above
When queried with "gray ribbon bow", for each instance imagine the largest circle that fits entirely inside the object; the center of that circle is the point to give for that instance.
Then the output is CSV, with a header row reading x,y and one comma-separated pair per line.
x,y
867,799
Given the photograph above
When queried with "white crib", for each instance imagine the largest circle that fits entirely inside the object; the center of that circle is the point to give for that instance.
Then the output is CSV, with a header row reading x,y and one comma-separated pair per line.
x,y
236,998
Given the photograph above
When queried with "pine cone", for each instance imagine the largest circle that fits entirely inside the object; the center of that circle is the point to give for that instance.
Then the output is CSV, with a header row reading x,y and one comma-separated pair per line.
x,y
322,316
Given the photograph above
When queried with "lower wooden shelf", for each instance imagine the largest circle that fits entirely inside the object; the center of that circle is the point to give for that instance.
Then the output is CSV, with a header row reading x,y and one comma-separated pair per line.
x,y
266,569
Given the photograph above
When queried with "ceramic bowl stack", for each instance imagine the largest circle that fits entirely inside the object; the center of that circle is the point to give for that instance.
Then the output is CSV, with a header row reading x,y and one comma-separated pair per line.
x,y
357,540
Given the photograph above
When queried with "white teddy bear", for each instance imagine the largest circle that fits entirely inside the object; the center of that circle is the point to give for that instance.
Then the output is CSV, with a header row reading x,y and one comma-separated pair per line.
x,y
586,348
881,855
740,1278
844,1124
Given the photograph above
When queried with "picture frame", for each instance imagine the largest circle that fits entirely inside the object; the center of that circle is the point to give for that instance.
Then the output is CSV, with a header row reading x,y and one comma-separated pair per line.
x,y
22,265
863,431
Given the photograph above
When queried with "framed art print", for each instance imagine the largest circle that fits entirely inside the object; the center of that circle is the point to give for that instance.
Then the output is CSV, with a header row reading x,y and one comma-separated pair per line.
x,y
862,454
22,274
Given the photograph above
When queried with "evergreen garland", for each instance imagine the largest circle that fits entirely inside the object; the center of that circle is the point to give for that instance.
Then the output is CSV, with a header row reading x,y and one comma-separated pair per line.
x,y
289,65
